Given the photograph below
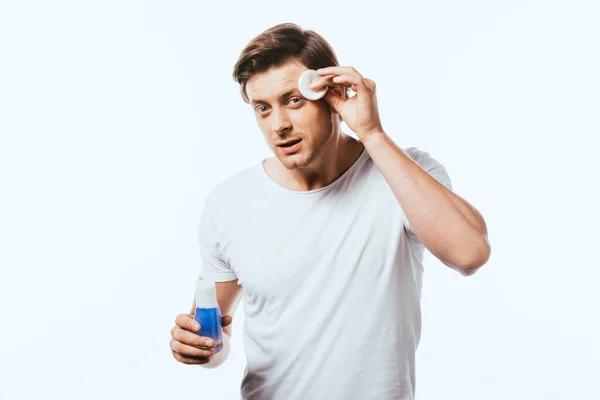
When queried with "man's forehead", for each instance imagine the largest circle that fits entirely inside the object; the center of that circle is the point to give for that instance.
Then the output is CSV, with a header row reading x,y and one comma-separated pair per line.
x,y
274,82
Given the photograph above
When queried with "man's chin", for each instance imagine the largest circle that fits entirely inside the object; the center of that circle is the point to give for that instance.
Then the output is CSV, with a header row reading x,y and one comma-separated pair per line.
x,y
294,161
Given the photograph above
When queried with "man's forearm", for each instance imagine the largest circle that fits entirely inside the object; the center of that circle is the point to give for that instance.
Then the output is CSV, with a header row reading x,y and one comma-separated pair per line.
x,y
446,224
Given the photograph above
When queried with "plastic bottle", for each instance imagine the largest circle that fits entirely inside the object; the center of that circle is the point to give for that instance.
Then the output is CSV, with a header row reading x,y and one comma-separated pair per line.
x,y
208,314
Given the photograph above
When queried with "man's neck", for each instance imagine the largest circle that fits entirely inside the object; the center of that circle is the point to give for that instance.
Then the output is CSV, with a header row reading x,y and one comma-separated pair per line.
x,y
333,161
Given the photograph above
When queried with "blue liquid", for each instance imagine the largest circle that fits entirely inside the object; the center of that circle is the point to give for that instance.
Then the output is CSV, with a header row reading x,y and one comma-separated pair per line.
x,y
210,326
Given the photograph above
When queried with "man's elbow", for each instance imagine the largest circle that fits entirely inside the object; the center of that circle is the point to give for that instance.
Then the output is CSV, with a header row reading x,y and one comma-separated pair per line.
x,y
472,264
466,271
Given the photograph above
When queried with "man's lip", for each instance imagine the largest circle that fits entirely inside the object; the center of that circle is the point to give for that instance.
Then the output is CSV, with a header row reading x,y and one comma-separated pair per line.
x,y
291,149
289,143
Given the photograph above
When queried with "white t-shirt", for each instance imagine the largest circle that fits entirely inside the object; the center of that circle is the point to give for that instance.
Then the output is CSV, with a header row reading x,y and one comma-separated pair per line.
x,y
331,282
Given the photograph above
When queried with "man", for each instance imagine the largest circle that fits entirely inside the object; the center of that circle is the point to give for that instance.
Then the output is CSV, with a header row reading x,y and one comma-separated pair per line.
x,y
325,240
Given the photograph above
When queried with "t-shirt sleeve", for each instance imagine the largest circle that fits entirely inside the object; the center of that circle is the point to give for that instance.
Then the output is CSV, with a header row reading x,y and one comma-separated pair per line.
x,y
214,265
434,168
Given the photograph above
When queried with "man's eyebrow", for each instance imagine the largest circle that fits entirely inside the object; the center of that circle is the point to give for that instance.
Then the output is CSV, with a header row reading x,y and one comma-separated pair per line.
x,y
284,94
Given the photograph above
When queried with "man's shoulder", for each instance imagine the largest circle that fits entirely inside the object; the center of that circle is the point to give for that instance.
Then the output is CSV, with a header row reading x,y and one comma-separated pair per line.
x,y
414,152
421,157
430,164
237,184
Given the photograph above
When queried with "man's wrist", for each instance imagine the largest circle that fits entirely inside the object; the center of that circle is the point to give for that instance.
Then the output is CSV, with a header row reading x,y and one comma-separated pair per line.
x,y
373,137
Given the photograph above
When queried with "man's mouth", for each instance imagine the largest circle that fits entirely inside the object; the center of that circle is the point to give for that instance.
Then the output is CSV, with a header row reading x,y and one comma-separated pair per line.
x,y
289,143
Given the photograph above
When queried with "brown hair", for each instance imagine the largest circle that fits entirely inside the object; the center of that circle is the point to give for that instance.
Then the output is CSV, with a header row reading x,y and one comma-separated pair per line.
x,y
277,45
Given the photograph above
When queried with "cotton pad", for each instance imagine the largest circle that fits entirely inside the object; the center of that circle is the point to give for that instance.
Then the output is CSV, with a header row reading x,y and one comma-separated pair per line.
x,y
306,79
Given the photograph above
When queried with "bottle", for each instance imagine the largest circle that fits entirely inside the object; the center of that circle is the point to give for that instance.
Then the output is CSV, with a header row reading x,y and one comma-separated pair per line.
x,y
208,314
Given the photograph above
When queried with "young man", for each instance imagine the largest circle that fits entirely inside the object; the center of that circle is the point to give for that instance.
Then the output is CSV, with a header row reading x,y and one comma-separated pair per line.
x,y
325,240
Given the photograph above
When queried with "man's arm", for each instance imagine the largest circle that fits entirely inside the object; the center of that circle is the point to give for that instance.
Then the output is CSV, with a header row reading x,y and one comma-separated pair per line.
x,y
447,225
228,297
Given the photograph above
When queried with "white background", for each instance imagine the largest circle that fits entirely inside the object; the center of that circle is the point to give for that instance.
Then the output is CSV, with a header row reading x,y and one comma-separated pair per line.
x,y
117,119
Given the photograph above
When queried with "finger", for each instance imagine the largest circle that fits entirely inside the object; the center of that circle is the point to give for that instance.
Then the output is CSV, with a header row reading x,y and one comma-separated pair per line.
x,y
354,82
191,338
189,351
321,82
226,320
370,84
189,360
352,78
337,70
186,321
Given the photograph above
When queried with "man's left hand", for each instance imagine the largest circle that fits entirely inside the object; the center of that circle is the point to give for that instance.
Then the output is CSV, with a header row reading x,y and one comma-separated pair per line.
x,y
359,112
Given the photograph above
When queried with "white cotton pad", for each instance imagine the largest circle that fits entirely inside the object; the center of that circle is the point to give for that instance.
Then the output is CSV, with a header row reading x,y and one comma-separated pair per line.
x,y
306,79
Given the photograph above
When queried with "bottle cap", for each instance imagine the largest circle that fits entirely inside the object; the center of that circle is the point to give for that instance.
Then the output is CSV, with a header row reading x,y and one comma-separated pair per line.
x,y
206,294
306,79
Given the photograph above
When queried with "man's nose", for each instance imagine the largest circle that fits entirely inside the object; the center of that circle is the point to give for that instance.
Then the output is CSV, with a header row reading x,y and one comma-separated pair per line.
x,y
281,122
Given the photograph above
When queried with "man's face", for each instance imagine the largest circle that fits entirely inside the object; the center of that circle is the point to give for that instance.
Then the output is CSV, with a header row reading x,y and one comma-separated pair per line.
x,y
296,129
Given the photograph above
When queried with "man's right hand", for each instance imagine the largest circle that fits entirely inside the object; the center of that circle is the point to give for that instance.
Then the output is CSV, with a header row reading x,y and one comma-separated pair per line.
x,y
186,345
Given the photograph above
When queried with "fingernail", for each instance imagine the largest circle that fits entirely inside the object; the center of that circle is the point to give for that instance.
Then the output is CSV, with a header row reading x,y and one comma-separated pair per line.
x,y
209,342
195,327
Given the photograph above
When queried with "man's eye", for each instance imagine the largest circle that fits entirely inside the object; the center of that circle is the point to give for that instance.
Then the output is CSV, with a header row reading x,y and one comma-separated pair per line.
x,y
295,100
261,109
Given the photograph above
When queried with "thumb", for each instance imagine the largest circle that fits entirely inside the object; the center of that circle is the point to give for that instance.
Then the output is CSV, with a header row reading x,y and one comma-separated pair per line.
x,y
334,100
226,320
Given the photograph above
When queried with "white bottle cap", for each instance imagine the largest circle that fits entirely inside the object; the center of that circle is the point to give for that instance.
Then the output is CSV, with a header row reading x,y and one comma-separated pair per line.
x,y
306,79
206,294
